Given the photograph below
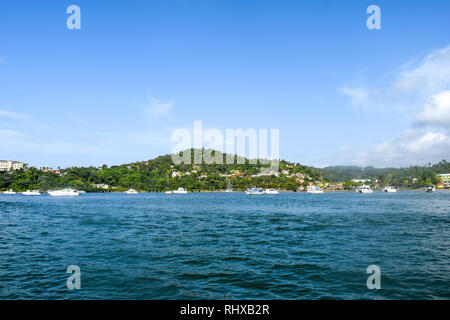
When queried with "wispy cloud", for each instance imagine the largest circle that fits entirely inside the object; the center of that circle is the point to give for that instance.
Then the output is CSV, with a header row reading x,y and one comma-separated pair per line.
x,y
15,115
359,96
94,148
23,120
411,85
156,108
423,91
430,75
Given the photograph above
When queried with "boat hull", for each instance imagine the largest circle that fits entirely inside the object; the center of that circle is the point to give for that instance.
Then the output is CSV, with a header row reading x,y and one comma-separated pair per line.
x,y
255,193
63,194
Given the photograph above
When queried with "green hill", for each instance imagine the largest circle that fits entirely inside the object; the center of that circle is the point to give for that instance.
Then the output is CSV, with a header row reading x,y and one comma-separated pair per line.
x,y
161,173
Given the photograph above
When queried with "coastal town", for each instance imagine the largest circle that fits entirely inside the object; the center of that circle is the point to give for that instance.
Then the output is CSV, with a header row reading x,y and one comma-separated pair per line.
x,y
160,175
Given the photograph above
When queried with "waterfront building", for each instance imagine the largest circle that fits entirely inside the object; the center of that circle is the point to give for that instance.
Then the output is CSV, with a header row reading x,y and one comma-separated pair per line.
x,y
9,165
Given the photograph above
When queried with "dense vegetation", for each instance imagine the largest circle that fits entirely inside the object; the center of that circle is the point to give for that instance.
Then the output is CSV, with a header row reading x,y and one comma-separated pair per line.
x,y
389,176
157,175
162,174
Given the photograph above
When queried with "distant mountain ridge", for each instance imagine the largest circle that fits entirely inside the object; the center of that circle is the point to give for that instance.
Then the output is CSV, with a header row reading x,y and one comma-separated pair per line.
x,y
344,173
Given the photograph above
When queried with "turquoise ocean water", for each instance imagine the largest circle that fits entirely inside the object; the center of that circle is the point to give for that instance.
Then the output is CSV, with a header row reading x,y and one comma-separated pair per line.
x,y
226,246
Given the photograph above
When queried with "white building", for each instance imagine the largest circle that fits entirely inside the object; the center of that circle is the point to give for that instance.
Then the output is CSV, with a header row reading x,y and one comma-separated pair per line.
x,y
175,174
361,180
101,186
9,165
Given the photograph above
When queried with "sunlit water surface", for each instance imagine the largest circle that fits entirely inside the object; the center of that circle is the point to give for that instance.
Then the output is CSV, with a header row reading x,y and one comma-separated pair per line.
x,y
226,246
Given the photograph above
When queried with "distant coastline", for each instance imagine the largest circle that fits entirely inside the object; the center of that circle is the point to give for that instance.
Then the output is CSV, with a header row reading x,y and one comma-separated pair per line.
x,y
161,174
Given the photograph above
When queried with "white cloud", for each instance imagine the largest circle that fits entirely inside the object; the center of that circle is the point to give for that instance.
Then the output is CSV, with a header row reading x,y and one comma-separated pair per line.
x,y
429,76
157,108
412,147
436,111
410,86
421,90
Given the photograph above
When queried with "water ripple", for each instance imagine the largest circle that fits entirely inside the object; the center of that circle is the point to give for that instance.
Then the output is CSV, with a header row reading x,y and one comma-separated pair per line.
x,y
226,246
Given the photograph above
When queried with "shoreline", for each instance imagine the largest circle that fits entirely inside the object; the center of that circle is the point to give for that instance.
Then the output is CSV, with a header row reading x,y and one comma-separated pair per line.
x,y
243,191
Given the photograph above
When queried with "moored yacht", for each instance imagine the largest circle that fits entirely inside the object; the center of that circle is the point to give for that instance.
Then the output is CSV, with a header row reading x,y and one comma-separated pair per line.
x,y
10,191
272,191
389,189
255,191
31,193
313,189
430,188
63,193
364,189
180,190
131,191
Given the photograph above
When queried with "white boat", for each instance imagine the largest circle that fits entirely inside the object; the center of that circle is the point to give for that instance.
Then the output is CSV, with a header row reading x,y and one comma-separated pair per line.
x,y
364,189
31,193
180,190
255,191
389,189
430,188
272,191
10,191
313,189
131,191
63,193
168,192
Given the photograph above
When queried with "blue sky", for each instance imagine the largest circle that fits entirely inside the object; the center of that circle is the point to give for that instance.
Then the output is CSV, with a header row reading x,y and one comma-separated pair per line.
x,y
114,91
